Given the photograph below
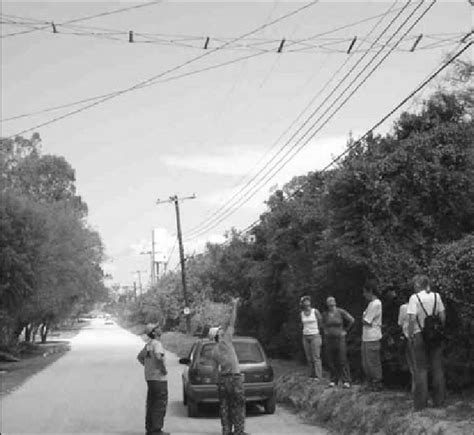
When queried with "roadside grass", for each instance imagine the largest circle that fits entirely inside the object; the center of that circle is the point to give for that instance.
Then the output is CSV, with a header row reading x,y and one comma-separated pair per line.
x,y
34,357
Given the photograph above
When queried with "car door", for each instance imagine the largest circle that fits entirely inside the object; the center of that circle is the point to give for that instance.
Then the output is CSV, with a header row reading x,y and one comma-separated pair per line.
x,y
191,357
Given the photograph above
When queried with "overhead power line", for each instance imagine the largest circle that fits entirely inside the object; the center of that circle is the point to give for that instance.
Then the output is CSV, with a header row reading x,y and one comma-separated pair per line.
x,y
308,45
86,18
249,191
170,70
420,87
323,88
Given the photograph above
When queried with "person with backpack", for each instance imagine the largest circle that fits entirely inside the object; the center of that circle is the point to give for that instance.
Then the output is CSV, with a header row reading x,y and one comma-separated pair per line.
x,y
152,357
426,320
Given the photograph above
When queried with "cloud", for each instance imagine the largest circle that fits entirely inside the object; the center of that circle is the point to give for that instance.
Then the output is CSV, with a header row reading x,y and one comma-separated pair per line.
x,y
315,156
246,159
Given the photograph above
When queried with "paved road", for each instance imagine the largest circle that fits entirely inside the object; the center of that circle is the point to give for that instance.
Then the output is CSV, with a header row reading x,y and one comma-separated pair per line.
x,y
98,388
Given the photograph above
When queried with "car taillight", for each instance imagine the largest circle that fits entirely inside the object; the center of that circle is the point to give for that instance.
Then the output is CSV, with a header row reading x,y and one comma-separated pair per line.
x,y
268,374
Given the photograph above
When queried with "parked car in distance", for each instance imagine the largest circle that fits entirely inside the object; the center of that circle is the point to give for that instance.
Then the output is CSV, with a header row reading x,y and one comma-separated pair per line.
x,y
200,384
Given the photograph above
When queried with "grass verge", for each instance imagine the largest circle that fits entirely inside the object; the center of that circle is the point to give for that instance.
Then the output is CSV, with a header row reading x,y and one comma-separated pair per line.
x,y
350,412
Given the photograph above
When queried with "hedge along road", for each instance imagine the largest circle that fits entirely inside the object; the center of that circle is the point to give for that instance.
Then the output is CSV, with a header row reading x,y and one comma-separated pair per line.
x,y
98,388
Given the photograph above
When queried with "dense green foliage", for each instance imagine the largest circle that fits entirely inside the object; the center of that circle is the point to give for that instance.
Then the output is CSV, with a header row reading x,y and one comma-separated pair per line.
x,y
50,264
398,204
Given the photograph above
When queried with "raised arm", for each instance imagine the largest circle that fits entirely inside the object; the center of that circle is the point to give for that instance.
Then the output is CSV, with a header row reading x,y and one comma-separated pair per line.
x,y
233,316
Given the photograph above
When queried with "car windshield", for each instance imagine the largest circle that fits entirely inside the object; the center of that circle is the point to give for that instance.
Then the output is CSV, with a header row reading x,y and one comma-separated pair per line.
x,y
247,352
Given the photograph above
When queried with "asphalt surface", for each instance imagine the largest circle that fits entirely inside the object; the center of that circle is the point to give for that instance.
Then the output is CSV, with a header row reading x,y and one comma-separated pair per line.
x,y
99,388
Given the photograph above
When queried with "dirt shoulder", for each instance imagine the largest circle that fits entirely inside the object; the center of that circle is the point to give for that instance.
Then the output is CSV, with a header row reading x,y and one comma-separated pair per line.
x,y
34,357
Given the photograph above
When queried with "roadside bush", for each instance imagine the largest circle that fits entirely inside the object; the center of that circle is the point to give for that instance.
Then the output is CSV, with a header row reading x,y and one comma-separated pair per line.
x,y
452,275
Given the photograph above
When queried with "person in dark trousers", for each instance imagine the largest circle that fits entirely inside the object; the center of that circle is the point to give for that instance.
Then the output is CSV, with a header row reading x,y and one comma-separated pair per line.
x,y
336,323
230,382
312,323
424,303
152,357
371,338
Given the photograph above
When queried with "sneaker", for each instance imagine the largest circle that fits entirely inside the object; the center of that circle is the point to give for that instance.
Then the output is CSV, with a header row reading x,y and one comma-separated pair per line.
x,y
346,385
331,384
314,378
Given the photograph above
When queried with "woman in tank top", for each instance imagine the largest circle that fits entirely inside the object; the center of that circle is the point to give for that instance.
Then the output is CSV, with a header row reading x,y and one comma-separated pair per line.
x,y
311,320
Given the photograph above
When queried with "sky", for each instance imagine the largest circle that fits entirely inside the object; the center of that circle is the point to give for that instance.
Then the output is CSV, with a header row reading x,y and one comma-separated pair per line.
x,y
209,132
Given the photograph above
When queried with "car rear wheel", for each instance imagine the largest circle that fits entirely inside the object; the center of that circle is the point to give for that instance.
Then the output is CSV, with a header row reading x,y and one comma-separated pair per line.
x,y
193,410
270,405
185,397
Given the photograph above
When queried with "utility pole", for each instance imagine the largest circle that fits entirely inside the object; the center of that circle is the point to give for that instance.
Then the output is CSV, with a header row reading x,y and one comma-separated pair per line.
x,y
174,199
139,273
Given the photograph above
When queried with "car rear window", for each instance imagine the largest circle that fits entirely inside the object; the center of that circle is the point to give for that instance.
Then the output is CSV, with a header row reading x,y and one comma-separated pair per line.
x,y
247,352
206,353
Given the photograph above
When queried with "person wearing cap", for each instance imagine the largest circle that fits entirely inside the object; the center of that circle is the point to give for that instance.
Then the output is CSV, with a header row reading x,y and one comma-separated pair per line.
x,y
311,320
229,378
152,357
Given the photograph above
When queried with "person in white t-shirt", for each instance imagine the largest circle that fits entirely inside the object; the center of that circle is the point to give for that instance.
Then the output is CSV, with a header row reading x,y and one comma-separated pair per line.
x,y
312,322
371,337
422,303
152,357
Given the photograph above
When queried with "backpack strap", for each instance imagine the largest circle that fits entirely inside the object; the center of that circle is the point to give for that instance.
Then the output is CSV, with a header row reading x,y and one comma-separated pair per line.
x,y
419,300
426,313
434,307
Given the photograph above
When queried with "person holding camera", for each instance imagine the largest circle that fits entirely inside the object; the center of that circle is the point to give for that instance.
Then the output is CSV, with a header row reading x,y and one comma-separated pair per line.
x,y
152,357
230,381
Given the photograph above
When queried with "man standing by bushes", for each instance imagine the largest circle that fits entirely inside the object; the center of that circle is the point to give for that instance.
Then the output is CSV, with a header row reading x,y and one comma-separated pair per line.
x,y
152,356
371,336
426,317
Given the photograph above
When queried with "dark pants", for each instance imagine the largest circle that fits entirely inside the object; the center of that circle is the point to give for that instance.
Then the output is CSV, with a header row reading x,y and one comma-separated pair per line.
x,y
232,404
336,357
424,359
156,402
371,363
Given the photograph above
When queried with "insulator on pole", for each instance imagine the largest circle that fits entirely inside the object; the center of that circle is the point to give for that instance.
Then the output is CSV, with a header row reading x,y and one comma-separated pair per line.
x,y
206,44
280,48
130,36
54,27
415,44
352,45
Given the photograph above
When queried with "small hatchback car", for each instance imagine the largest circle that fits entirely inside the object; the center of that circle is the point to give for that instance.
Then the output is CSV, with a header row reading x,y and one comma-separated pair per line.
x,y
200,384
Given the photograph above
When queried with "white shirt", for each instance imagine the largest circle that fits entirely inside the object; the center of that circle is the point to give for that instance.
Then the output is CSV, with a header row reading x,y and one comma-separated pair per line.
x,y
403,319
372,315
310,323
153,357
428,301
